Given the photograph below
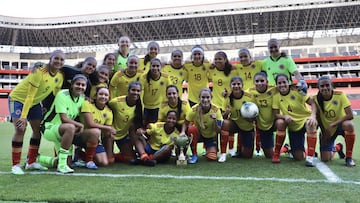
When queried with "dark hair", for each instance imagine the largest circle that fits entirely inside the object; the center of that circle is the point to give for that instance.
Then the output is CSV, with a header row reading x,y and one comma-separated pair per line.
x,y
138,119
179,104
172,111
231,96
281,75
147,56
97,91
177,50
228,66
273,40
107,56
262,73
198,47
319,96
81,63
148,74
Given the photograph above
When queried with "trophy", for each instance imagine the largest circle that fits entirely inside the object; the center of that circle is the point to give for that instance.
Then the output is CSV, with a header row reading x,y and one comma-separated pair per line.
x,y
182,141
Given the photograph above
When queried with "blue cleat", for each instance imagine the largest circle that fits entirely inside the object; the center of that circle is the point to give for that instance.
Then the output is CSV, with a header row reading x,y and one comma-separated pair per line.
x,y
193,159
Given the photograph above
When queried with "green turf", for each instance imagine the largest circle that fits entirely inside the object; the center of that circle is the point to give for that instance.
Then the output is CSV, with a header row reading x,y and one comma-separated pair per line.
x,y
254,180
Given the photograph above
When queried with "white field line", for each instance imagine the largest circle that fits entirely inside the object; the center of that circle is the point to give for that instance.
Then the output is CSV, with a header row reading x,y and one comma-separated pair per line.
x,y
232,178
327,172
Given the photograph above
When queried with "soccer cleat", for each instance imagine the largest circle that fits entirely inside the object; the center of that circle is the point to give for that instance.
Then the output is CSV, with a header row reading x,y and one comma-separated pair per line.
x,y
79,163
64,169
258,153
222,158
310,162
339,146
149,162
173,153
193,159
91,165
276,158
349,162
285,148
16,170
232,152
35,166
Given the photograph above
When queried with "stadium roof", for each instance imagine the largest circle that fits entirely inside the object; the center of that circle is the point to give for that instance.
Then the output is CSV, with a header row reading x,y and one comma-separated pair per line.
x,y
213,21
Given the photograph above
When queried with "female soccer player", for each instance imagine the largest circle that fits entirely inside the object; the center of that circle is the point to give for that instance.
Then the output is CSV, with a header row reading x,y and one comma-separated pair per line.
x,y
220,75
157,145
334,115
127,111
247,70
123,53
60,127
207,121
197,74
279,62
87,68
109,60
24,105
103,80
175,70
153,49
290,110
235,123
98,115
262,96
174,103
154,91
120,82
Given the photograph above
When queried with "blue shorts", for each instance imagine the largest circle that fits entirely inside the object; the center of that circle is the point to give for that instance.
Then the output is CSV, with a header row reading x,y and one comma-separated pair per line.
x,y
100,149
125,140
297,139
151,115
149,150
209,142
247,137
267,138
329,146
15,108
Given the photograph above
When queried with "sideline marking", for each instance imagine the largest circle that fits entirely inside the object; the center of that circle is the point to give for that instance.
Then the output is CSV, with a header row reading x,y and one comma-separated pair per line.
x,y
292,180
327,172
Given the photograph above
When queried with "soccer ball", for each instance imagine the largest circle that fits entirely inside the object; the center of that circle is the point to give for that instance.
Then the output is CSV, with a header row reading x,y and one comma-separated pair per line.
x,y
249,110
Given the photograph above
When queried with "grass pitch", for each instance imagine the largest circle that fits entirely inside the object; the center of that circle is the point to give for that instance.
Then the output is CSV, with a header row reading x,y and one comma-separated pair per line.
x,y
236,180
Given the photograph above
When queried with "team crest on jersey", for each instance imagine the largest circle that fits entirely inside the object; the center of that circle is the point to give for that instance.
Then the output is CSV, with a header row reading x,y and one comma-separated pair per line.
x,y
292,97
253,66
56,80
282,66
46,80
269,93
161,83
181,73
104,115
203,68
335,102
18,112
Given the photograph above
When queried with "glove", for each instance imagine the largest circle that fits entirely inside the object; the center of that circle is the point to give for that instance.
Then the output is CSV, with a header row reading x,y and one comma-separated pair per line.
x,y
302,86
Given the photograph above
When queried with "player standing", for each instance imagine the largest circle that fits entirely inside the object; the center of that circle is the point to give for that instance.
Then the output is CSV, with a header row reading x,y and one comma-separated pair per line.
x,y
24,105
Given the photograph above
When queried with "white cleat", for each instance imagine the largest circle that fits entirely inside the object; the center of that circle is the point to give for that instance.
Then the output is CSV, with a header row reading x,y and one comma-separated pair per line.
x,y
222,158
